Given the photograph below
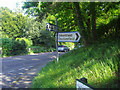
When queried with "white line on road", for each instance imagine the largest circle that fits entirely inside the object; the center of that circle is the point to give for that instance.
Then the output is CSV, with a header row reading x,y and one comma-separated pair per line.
x,y
11,71
21,68
30,66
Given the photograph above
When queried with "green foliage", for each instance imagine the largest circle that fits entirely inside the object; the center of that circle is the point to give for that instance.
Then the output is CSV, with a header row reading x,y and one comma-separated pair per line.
x,y
109,30
32,28
66,14
98,63
19,47
37,9
71,45
28,42
13,47
39,49
38,34
47,39
13,24
6,46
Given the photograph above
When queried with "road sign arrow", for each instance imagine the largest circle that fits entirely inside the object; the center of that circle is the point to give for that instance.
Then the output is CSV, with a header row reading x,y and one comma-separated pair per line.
x,y
77,36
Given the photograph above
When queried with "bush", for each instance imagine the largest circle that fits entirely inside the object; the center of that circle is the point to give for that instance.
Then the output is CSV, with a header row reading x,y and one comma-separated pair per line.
x,y
109,30
68,44
7,45
13,47
28,42
19,47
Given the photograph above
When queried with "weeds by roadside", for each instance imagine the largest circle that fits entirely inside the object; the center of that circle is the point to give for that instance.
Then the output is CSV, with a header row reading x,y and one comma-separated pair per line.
x,y
98,63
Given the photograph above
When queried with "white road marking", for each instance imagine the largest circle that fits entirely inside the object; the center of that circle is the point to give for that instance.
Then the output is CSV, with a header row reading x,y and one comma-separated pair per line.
x,y
11,71
21,68
30,66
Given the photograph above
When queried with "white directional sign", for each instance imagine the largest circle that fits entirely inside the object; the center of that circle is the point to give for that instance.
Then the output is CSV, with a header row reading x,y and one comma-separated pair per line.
x,y
51,27
69,36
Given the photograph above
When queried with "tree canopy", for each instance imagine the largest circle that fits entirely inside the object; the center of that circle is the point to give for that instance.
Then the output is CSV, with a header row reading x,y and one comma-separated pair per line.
x,y
13,24
85,17
94,21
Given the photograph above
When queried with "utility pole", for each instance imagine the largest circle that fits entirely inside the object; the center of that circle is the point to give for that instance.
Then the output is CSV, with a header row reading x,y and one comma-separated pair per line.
x,y
57,41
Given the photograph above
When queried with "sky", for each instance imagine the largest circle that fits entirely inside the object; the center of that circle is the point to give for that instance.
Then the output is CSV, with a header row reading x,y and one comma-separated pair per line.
x,y
11,4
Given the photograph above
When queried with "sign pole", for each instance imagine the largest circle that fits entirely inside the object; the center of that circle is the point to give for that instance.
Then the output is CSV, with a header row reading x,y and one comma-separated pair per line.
x,y
57,41
62,36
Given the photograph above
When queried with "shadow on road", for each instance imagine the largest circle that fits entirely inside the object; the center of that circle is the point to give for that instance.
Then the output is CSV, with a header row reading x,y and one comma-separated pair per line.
x,y
19,71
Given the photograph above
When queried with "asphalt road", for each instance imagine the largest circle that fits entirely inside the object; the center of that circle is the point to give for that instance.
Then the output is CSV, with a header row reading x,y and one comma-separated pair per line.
x,y
14,68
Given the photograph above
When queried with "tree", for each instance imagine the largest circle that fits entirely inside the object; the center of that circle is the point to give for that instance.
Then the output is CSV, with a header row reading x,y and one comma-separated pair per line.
x,y
36,31
93,20
13,24
80,21
85,17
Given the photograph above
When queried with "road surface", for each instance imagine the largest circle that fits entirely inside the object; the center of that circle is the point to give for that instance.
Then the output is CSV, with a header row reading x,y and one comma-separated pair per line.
x,y
18,71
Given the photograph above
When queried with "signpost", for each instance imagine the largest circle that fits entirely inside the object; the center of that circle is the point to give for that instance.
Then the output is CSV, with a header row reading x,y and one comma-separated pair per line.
x,y
69,37
62,36
51,27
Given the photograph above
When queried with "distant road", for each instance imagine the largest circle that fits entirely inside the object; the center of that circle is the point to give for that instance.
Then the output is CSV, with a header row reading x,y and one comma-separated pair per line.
x,y
14,67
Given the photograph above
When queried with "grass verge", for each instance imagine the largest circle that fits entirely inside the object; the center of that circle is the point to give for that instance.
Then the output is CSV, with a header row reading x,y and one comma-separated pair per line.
x,y
98,63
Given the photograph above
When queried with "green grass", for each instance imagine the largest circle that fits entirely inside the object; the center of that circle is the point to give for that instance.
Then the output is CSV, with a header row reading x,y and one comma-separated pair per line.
x,y
98,63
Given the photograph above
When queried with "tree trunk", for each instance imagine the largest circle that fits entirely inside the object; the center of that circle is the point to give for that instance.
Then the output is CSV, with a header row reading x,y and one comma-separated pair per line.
x,y
80,22
93,20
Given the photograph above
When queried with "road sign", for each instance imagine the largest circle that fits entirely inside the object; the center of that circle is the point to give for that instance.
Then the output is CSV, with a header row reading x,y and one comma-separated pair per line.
x,y
82,85
69,36
51,27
